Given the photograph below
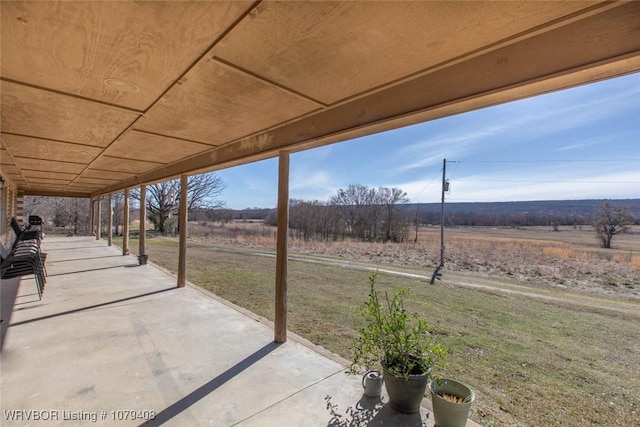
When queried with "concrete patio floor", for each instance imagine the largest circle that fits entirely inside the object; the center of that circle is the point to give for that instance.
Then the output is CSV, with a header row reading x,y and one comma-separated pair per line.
x,y
114,343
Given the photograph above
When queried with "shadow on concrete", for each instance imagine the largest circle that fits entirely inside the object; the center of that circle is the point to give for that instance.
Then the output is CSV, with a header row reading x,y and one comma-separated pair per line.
x,y
34,299
27,295
83,259
98,245
92,269
8,293
90,307
203,391
370,411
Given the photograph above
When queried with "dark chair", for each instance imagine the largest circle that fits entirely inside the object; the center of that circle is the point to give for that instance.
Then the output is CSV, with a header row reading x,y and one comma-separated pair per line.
x,y
25,257
23,266
24,234
28,240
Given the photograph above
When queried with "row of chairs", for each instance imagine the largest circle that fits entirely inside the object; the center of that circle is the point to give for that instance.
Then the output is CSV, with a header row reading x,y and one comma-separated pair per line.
x,y
25,257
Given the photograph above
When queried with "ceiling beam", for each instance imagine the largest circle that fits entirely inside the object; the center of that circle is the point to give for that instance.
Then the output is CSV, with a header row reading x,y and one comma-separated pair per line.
x,y
52,193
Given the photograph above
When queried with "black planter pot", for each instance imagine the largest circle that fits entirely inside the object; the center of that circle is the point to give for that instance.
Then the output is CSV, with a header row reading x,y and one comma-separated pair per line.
x,y
142,259
405,395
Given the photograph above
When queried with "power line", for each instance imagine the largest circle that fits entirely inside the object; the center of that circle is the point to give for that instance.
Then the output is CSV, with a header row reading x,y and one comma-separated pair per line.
x,y
548,181
415,199
550,161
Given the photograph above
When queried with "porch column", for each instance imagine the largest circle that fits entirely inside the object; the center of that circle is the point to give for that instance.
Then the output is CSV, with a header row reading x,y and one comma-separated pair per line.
x,y
98,217
109,221
20,208
92,217
143,219
182,224
280,324
125,226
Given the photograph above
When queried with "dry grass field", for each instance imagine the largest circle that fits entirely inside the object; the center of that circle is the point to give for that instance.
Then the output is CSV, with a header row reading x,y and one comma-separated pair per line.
x,y
569,259
543,325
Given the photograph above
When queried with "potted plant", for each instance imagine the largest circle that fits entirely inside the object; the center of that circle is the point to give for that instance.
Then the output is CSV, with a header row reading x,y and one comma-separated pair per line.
x,y
400,342
451,402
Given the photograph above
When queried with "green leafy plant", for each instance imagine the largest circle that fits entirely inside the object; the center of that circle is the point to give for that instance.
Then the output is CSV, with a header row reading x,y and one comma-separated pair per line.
x,y
395,337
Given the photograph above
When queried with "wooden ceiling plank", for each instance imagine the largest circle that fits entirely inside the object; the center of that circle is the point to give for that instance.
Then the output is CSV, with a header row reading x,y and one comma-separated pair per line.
x,y
118,164
48,181
28,111
46,174
4,133
346,48
98,173
48,165
149,44
558,59
7,162
37,148
104,181
136,145
11,170
16,179
76,186
214,104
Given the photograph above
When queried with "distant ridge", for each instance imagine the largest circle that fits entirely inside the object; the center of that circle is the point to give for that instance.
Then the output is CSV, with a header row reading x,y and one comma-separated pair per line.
x,y
553,213
541,207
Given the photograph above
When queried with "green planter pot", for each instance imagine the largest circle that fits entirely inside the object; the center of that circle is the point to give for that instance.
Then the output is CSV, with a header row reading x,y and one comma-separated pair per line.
x,y
450,414
405,395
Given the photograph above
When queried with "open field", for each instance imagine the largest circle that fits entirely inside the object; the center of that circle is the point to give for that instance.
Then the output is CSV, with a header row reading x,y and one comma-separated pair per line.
x,y
535,351
569,259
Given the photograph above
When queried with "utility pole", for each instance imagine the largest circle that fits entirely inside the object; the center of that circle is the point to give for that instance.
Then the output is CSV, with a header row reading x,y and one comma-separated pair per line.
x,y
445,188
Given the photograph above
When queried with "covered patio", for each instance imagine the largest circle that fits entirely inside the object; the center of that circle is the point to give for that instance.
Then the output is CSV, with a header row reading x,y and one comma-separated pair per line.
x,y
118,342
105,97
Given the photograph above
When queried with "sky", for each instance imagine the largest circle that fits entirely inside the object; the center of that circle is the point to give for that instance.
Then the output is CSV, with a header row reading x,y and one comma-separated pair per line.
x,y
579,143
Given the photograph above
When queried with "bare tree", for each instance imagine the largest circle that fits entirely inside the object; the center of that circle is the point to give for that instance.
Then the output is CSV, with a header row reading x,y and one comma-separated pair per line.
x,y
353,203
163,199
395,226
372,214
69,212
611,220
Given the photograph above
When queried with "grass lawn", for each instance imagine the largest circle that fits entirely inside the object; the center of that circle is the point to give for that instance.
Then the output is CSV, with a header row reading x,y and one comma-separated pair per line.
x,y
531,361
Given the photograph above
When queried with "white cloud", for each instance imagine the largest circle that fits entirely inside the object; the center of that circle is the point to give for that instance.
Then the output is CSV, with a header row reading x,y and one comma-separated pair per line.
x,y
624,184
529,185
310,185
531,119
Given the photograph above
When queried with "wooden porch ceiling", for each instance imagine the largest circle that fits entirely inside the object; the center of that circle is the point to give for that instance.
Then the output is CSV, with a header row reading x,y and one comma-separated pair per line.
x,y
100,96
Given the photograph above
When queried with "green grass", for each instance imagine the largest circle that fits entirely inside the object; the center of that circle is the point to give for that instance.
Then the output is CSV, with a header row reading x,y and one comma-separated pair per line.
x,y
530,361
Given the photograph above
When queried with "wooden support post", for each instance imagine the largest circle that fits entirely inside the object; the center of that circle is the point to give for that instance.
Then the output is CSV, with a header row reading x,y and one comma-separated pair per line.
x,y
19,201
125,226
98,217
143,220
109,221
182,224
280,324
92,215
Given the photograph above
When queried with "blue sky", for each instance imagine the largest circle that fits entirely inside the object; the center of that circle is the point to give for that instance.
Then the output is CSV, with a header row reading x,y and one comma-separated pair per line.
x,y
579,143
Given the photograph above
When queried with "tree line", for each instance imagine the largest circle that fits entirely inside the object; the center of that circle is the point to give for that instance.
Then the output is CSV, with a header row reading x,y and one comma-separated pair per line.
x,y
357,212
383,214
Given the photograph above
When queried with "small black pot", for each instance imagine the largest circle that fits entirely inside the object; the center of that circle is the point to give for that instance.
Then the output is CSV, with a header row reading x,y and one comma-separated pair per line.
x,y
142,259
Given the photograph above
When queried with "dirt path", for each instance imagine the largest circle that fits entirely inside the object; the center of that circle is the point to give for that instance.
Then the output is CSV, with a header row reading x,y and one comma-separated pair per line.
x,y
490,284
